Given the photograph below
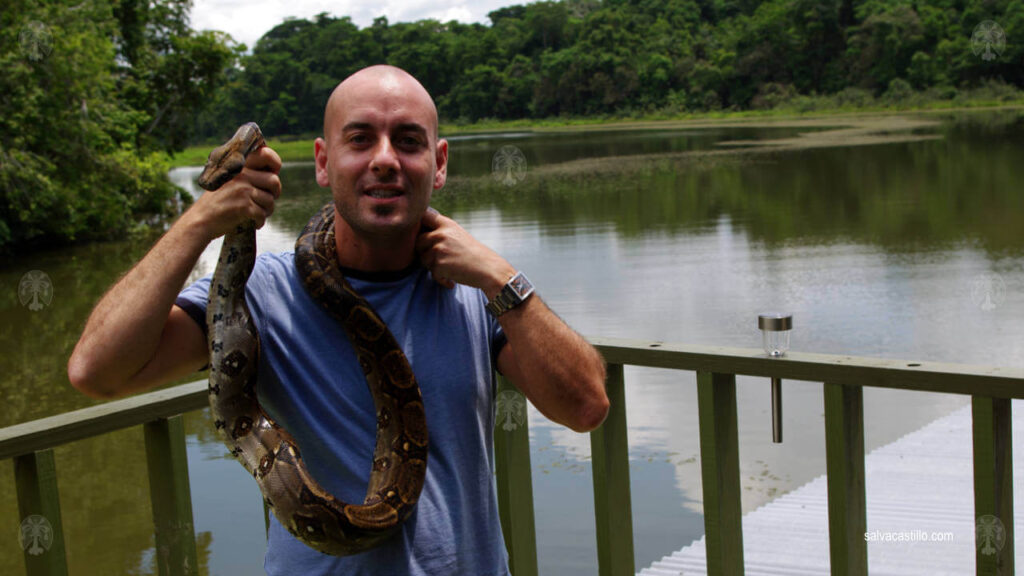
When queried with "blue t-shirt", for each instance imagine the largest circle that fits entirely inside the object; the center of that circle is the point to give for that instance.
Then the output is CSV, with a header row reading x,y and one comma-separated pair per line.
x,y
310,382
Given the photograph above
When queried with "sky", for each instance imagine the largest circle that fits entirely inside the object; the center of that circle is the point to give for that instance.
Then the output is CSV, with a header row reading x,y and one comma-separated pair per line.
x,y
247,20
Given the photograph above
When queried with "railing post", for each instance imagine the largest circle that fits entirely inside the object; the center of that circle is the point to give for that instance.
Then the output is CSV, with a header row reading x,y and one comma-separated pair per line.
x,y
993,485
266,519
609,447
170,497
844,456
41,529
515,483
720,472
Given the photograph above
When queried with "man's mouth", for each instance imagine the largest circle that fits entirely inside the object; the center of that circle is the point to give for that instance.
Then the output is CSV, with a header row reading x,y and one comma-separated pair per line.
x,y
384,192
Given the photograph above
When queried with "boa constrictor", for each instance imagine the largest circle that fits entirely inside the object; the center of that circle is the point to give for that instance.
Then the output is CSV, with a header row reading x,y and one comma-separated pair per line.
x,y
267,450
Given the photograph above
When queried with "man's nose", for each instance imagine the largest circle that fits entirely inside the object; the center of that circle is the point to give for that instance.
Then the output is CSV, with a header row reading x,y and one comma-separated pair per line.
x,y
385,159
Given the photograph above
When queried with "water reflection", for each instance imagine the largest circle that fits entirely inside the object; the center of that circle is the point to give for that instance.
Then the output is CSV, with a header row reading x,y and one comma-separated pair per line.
x,y
886,250
472,155
902,196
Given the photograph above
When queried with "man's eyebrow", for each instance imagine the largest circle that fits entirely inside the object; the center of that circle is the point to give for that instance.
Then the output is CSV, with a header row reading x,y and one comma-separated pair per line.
x,y
403,127
412,127
356,126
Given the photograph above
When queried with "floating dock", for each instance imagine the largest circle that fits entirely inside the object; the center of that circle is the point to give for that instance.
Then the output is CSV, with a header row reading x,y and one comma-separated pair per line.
x,y
920,513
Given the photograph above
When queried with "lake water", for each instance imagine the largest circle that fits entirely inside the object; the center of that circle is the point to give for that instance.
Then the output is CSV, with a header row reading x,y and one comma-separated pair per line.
x,y
905,249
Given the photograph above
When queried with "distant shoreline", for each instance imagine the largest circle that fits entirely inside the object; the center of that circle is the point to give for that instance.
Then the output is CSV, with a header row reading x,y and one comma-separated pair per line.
x,y
298,149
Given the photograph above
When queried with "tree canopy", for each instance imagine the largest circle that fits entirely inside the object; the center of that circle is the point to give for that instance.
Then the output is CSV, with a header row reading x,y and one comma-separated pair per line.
x,y
591,57
92,95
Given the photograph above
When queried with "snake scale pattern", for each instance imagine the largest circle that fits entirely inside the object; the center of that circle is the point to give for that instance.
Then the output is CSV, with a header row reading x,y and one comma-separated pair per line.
x,y
267,450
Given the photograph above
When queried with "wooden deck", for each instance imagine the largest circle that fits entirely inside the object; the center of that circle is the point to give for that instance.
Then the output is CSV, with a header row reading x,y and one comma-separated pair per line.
x,y
920,501
910,487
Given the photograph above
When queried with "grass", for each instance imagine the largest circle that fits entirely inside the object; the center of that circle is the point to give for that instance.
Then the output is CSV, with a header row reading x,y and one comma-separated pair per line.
x,y
289,150
292,149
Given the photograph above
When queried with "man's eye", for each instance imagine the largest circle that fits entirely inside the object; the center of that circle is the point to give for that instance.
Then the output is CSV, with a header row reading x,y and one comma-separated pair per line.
x,y
409,141
359,139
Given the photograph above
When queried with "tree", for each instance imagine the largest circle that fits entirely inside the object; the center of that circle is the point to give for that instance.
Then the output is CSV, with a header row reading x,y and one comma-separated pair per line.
x,y
166,70
475,96
90,96
548,26
518,85
590,57
882,47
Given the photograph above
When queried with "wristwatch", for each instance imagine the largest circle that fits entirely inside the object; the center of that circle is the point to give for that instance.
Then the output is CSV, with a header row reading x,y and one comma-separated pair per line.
x,y
514,293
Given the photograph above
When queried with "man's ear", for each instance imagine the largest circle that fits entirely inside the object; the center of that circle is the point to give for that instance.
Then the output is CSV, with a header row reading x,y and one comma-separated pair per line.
x,y
320,156
441,176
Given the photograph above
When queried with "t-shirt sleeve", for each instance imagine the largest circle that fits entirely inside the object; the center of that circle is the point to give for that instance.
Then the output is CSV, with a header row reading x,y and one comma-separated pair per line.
x,y
193,301
498,339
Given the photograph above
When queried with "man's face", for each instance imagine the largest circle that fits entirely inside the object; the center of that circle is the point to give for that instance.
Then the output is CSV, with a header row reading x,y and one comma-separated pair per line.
x,y
380,154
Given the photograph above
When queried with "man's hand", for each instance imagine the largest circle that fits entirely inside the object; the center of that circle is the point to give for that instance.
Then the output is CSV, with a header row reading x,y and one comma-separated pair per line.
x,y
453,255
136,337
248,196
558,371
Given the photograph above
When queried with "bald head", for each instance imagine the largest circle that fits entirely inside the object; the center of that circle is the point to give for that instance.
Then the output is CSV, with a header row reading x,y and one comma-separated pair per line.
x,y
382,159
380,85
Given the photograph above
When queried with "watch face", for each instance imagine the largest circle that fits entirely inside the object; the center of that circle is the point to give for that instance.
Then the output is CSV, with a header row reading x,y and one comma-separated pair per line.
x,y
521,284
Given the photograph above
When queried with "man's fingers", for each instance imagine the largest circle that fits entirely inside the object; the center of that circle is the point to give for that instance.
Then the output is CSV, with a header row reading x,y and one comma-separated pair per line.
x,y
431,219
263,199
425,248
267,181
264,159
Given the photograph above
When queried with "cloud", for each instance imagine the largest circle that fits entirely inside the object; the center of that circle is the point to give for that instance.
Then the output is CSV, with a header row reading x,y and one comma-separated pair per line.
x,y
247,20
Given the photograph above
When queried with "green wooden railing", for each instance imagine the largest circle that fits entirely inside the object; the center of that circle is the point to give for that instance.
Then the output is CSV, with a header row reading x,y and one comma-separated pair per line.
x,y
31,445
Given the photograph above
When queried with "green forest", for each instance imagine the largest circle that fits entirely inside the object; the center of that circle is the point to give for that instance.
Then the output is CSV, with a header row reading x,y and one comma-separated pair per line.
x,y
628,57
96,94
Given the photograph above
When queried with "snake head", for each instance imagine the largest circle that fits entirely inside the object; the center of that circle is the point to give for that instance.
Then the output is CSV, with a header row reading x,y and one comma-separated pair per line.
x,y
228,159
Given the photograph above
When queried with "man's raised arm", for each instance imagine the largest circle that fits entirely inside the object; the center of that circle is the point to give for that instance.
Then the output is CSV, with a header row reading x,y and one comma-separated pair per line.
x,y
553,366
136,337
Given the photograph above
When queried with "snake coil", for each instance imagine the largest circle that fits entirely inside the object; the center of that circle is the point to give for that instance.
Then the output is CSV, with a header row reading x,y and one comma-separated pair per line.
x,y
267,450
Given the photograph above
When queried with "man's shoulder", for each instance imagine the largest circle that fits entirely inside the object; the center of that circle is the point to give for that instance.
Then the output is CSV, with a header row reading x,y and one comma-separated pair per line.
x,y
469,296
276,259
469,303
280,265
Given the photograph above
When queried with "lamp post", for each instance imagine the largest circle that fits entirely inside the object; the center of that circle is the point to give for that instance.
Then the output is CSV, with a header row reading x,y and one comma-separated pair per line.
x,y
775,328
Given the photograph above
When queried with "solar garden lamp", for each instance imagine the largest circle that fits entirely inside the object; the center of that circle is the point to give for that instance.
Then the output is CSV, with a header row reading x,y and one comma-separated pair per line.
x,y
775,330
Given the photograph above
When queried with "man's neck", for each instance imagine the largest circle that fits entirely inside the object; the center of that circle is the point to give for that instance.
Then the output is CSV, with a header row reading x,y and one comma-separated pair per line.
x,y
374,254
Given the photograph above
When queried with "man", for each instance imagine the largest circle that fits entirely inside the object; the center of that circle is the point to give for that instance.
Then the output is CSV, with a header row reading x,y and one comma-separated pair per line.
x,y
428,279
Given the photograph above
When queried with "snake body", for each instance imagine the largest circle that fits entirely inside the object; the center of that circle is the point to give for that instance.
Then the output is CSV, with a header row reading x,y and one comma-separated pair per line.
x,y
267,450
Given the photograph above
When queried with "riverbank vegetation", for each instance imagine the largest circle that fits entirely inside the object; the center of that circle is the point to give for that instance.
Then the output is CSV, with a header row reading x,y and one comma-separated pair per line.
x,y
819,111
634,58
96,95
93,96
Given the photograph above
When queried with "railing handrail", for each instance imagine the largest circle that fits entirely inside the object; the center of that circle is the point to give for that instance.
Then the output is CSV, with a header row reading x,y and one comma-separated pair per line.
x,y
924,376
53,431
996,382
31,444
